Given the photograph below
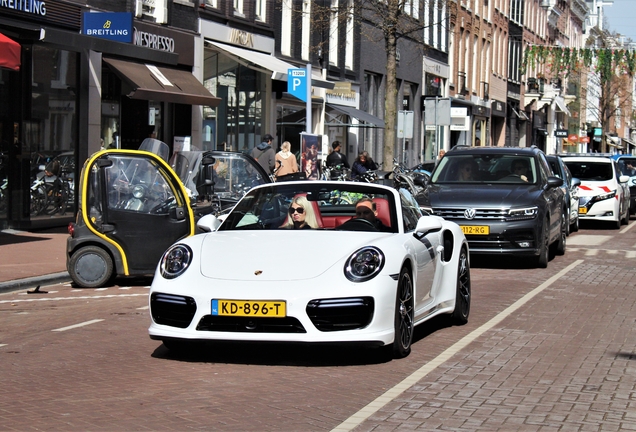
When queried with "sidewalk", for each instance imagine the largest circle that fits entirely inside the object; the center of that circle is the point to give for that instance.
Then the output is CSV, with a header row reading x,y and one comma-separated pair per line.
x,y
29,259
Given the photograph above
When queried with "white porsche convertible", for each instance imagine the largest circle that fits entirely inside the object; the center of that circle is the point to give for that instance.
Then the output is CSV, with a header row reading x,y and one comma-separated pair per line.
x,y
366,266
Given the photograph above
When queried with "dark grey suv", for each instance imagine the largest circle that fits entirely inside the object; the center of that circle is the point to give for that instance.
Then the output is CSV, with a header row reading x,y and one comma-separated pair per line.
x,y
506,199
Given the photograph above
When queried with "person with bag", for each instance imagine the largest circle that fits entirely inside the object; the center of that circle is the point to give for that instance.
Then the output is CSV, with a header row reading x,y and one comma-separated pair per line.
x,y
265,154
285,161
336,158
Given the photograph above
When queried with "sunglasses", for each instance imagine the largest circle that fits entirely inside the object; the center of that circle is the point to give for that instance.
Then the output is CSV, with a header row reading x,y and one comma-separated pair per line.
x,y
298,210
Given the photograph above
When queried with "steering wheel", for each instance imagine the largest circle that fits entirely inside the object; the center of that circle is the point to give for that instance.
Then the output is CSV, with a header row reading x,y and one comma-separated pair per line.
x,y
163,206
357,224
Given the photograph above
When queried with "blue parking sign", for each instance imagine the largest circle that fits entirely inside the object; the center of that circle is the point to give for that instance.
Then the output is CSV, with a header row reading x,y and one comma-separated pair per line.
x,y
297,83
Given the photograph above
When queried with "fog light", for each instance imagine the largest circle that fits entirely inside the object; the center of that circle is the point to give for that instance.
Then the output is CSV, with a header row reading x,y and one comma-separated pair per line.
x,y
524,244
609,213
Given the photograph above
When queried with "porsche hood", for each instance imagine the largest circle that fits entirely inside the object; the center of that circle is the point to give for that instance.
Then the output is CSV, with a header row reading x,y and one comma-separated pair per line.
x,y
277,255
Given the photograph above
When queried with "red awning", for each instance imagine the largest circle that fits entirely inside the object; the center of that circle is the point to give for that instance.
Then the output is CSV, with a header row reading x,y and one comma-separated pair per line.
x,y
9,53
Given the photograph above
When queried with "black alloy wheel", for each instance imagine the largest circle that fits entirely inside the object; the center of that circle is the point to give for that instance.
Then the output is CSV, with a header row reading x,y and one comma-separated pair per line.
x,y
404,315
462,297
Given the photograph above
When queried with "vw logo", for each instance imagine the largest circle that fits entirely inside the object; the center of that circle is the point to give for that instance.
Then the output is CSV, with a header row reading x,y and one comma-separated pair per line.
x,y
469,213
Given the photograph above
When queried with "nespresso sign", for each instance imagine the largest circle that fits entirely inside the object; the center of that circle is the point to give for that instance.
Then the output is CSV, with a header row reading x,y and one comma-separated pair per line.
x,y
161,39
154,41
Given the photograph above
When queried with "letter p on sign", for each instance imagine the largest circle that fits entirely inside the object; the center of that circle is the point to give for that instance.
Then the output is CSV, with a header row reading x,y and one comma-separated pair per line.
x,y
297,83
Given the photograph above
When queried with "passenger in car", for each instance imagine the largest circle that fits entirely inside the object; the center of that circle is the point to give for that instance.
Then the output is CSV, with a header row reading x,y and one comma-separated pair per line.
x,y
467,171
300,215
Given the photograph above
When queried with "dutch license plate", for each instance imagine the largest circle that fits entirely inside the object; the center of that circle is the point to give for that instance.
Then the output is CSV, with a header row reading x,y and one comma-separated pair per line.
x,y
249,308
582,210
476,229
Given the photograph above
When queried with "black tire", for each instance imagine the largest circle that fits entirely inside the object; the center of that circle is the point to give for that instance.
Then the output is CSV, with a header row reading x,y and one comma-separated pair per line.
x,y
404,315
560,244
574,227
90,267
462,297
544,247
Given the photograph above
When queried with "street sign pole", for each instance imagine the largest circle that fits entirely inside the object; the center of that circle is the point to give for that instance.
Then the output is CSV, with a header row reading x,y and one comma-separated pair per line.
x,y
308,103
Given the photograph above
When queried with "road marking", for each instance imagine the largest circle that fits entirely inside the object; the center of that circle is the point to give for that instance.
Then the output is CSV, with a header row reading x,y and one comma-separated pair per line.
x,y
591,252
72,298
627,228
143,308
1,345
85,323
588,240
357,418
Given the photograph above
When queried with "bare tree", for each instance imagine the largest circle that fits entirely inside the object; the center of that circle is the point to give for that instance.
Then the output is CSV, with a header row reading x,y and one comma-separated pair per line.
x,y
395,20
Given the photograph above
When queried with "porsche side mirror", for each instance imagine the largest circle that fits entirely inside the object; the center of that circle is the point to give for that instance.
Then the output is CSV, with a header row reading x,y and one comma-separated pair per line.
x,y
426,225
208,223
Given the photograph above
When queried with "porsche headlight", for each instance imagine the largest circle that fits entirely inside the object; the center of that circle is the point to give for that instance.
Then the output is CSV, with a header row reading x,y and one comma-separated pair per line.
x,y
364,264
175,261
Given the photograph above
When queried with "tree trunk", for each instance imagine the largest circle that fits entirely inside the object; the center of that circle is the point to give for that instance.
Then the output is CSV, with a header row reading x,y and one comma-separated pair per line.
x,y
390,102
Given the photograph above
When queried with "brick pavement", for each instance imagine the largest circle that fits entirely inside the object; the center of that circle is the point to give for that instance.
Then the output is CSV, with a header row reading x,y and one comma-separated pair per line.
x,y
564,361
31,258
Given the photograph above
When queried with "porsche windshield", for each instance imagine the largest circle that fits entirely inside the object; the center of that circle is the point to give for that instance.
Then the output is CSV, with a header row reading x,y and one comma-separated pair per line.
x,y
486,168
318,205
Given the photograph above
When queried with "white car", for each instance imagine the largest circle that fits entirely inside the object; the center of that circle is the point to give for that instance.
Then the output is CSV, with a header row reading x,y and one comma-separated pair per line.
x,y
603,193
348,280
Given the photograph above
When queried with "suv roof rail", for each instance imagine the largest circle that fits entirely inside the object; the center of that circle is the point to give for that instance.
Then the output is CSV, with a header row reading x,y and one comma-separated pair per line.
x,y
607,155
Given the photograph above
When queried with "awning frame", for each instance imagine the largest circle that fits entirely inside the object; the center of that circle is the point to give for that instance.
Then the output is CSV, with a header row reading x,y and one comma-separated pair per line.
x,y
370,120
264,63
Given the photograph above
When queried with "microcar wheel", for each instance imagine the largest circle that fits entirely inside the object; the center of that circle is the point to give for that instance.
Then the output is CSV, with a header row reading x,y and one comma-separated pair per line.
x,y
403,316
90,267
462,297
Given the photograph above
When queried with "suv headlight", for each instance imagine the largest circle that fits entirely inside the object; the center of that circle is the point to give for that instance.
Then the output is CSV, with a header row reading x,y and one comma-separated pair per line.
x,y
175,261
364,264
523,213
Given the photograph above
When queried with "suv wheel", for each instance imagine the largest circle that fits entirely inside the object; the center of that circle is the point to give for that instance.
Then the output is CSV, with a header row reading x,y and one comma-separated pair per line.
x,y
544,249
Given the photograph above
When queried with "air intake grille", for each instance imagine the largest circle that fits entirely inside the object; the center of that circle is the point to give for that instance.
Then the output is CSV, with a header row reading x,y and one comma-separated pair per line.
x,y
172,310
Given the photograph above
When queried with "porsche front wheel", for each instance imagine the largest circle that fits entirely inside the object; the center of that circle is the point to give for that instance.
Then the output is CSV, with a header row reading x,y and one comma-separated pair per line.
x,y
462,297
404,313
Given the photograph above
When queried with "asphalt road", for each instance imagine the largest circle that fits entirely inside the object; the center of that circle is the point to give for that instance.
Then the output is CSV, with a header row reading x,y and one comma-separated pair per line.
x,y
551,349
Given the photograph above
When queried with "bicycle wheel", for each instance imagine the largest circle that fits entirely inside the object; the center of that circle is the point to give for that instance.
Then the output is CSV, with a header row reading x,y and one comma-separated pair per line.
x,y
39,200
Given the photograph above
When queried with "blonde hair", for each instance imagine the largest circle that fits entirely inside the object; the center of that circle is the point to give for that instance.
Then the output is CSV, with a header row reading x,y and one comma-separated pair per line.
x,y
286,146
310,216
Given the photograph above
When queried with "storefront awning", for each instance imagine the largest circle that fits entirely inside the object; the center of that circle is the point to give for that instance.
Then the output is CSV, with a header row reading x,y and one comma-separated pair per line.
x,y
521,114
629,142
370,119
265,63
9,53
613,141
150,82
560,102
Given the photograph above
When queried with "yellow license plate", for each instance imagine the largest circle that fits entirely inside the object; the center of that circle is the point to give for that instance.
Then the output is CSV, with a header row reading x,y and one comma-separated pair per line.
x,y
476,229
249,308
582,210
